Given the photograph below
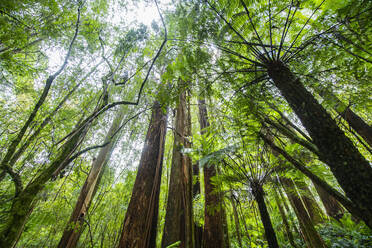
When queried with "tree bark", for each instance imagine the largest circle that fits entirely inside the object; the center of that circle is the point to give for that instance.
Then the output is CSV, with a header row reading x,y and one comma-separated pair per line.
x,y
311,236
331,205
140,223
258,193
226,237
25,201
286,207
350,168
237,223
284,219
178,224
74,226
213,235
350,206
315,212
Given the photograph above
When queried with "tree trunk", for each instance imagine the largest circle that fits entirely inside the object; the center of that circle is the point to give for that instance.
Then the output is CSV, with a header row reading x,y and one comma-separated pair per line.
x,y
315,212
350,206
178,219
286,207
226,237
213,235
350,168
74,226
331,205
284,219
196,181
140,223
311,236
258,193
26,200
354,120
236,220
198,229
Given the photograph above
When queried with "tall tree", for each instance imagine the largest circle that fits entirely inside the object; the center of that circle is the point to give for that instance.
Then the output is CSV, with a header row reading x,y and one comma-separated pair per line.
x,y
349,205
312,207
288,230
141,218
75,225
213,234
347,164
25,201
331,205
178,226
311,236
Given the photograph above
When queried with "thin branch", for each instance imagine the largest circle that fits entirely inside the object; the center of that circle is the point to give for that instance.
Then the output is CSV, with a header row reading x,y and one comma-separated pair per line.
x,y
41,100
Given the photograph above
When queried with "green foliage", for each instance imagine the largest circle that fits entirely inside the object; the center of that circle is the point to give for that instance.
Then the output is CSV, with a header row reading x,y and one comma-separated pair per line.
x,y
111,57
346,233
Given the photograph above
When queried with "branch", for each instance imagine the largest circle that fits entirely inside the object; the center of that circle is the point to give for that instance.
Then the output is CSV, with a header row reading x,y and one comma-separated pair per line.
x,y
40,102
107,142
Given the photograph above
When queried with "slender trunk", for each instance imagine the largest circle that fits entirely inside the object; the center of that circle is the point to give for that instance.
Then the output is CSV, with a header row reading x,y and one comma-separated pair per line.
x,y
26,200
331,205
350,168
258,193
140,223
226,237
354,120
286,207
284,219
311,236
350,206
198,229
237,223
315,212
213,235
5,163
178,219
75,224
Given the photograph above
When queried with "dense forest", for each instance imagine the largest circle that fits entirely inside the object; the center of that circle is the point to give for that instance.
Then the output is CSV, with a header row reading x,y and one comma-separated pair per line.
x,y
185,123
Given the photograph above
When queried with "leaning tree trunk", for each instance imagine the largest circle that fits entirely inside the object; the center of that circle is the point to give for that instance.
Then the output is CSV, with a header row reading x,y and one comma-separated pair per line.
x,y
286,207
331,205
25,201
351,169
284,219
270,235
354,120
237,223
75,225
314,210
140,223
213,235
350,206
311,236
178,224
